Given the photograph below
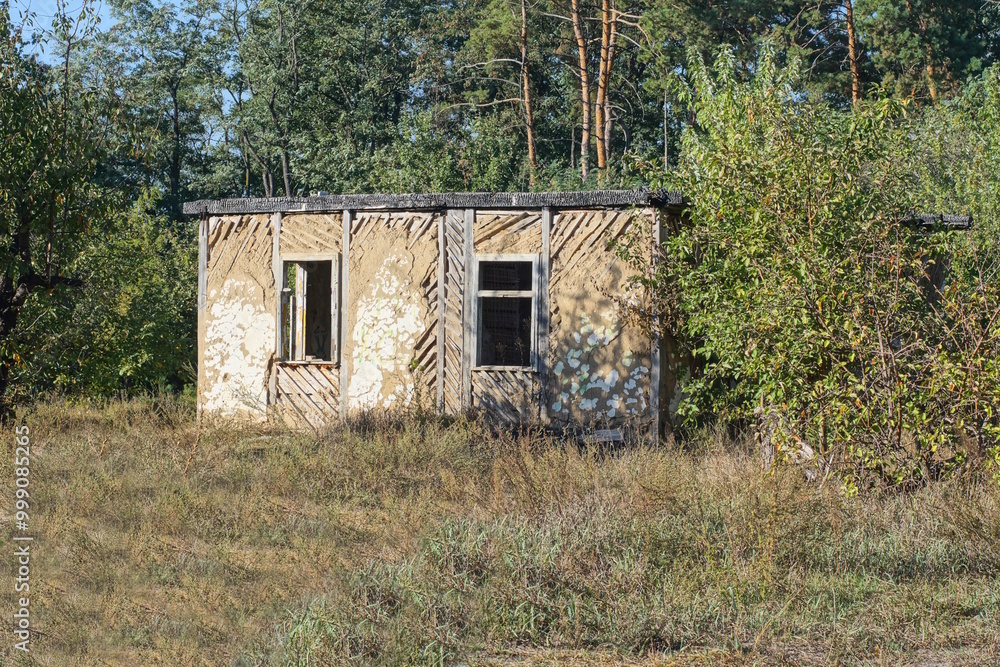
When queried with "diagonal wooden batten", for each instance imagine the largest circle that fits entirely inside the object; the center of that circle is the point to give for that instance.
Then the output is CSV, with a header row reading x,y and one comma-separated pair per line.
x,y
304,376
583,253
527,223
425,348
219,232
359,221
496,224
424,226
302,400
286,403
575,219
260,249
251,235
451,290
217,254
586,245
299,237
323,393
509,394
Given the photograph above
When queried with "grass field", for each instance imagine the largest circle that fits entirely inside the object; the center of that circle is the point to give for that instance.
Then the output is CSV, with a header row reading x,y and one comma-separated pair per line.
x,y
415,542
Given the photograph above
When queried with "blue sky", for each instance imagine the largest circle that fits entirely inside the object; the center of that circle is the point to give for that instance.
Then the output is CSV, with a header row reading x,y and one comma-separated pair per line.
x,y
45,10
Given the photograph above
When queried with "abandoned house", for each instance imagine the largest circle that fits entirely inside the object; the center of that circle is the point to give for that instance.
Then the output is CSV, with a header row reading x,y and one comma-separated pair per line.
x,y
314,308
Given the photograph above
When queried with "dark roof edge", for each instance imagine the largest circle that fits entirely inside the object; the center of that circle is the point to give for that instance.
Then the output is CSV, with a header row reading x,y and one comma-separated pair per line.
x,y
939,220
407,202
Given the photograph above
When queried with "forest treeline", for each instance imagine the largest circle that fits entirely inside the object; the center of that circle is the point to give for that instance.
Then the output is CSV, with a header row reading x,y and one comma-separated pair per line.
x,y
285,97
804,134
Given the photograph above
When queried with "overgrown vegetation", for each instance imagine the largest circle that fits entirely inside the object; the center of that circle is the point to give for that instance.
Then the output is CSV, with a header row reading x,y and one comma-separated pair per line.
x,y
814,305
402,542
110,126
795,283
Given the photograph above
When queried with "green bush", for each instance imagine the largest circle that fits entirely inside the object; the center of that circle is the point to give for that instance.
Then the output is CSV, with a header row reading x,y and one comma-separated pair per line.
x,y
805,295
130,327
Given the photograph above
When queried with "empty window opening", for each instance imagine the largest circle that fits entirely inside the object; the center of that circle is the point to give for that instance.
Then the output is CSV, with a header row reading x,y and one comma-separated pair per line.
x,y
506,313
309,311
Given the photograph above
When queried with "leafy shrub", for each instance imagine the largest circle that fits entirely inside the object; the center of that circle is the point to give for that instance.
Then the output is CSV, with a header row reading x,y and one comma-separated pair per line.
x,y
132,325
807,297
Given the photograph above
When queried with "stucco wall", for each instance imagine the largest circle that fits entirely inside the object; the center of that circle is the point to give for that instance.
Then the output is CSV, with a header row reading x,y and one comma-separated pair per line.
x,y
306,233
237,327
391,310
599,365
508,232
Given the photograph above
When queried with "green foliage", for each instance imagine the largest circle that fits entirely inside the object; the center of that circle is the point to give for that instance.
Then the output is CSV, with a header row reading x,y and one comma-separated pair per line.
x,y
805,295
53,130
166,59
133,325
927,48
208,98
270,97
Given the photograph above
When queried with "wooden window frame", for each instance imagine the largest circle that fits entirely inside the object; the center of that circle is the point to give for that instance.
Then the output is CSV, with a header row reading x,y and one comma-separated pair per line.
x,y
533,293
298,259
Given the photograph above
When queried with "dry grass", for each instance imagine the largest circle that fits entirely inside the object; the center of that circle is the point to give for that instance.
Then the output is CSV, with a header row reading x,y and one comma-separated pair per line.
x,y
409,541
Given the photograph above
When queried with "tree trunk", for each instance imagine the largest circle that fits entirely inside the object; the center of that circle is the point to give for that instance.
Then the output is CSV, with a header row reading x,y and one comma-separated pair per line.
x,y
852,53
930,69
175,152
602,127
282,143
666,146
581,45
932,80
529,119
608,116
8,320
285,175
572,148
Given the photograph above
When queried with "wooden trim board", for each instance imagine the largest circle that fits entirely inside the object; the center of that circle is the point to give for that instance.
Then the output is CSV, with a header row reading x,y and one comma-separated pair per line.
x,y
345,291
468,311
442,310
544,315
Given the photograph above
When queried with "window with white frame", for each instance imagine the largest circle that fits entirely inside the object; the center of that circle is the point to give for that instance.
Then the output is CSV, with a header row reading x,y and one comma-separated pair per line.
x,y
505,300
310,310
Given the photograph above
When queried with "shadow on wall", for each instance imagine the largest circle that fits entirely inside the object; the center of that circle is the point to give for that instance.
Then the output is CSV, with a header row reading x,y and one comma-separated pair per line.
x,y
600,366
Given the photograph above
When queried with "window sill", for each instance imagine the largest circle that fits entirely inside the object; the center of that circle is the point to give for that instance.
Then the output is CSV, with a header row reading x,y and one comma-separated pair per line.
x,y
308,362
526,369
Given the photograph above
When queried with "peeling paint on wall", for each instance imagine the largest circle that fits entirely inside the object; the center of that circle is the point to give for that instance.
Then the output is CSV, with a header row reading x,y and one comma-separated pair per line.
x,y
239,338
388,322
586,382
600,365
391,309
237,328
